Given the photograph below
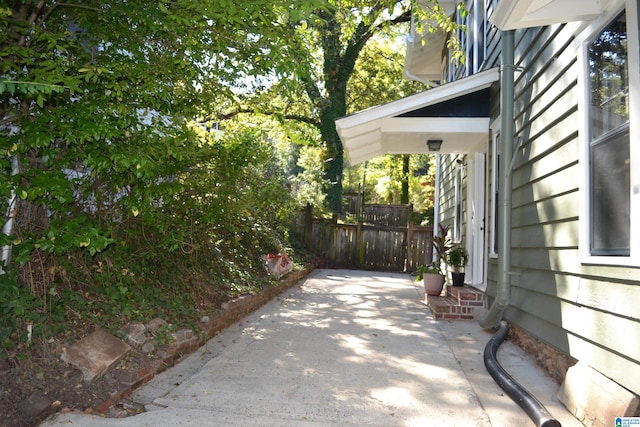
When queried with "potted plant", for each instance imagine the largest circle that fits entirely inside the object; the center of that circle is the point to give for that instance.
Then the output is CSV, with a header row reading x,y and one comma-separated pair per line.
x,y
441,242
457,258
432,277
431,274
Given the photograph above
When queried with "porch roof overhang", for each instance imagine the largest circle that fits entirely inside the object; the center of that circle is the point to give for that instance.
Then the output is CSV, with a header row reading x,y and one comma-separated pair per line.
x,y
511,15
456,113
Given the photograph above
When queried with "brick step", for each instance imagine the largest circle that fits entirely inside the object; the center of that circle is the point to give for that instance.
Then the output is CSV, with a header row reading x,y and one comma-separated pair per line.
x,y
465,294
459,303
441,304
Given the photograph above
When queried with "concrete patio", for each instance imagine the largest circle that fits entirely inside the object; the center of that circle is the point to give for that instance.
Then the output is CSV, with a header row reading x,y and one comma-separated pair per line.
x,y
342,347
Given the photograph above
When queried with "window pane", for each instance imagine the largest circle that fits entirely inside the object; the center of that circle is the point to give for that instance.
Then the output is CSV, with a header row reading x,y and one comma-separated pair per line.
x,y
609,79
610,194
609,141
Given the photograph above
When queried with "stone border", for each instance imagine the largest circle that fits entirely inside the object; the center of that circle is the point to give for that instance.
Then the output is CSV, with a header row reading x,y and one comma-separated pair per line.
x,y
554,362
186,341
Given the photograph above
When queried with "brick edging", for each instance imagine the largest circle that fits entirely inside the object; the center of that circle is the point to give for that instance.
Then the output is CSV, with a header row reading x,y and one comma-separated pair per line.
x,y
186,341
553,361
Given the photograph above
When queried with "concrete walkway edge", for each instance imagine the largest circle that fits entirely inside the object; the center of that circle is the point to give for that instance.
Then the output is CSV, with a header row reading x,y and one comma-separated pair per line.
x,y
342,347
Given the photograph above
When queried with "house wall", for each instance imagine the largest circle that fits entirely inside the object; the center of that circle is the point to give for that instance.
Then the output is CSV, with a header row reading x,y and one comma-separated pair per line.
x,y
587,311
447,200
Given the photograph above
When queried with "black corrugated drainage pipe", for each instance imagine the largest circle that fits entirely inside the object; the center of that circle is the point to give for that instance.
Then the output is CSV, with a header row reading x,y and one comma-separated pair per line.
x,y
532,406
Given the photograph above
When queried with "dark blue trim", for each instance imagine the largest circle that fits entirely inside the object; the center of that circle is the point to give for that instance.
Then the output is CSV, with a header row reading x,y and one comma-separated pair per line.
x,y
474,104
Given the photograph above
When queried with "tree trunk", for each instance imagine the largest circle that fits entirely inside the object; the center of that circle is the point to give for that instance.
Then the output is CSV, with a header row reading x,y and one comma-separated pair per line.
x,y
333,163
339,60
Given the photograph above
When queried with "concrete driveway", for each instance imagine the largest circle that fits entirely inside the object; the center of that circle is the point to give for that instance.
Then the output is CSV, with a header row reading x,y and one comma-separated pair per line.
x,y
340,348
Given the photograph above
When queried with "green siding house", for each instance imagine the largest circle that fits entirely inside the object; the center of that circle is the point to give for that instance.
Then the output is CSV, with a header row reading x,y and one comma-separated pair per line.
x,y
538,171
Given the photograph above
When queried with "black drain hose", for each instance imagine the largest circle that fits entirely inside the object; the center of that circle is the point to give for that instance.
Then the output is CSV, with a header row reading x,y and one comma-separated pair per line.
x,y
532,406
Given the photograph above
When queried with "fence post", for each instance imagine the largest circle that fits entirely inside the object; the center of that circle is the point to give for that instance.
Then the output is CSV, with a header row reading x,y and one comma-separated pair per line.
x,y
333,230
308,226
409,265
359,244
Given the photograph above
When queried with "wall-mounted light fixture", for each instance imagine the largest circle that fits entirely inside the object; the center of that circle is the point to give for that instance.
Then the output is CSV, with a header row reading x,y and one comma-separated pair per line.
x,y
434,144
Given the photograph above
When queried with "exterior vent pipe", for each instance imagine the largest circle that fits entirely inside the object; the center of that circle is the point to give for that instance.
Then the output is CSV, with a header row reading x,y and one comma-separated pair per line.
x,y
503,292
532,406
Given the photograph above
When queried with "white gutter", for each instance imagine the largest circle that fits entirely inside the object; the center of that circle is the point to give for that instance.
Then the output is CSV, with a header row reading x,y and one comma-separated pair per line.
x,y
410,76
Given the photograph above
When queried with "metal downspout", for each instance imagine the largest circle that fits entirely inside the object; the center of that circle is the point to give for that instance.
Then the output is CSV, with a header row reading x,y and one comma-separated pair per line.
x,y
503,292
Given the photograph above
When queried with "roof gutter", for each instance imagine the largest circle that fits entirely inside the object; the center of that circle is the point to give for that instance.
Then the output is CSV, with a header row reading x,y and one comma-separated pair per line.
x,y
410,76
503,293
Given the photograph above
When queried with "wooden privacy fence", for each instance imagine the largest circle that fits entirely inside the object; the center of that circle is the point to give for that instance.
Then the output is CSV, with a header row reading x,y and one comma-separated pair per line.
x,y
389,215
365,246
378,214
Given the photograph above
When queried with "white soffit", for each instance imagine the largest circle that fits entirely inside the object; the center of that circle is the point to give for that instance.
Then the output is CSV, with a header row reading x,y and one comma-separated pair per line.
x,y
404,126
514,14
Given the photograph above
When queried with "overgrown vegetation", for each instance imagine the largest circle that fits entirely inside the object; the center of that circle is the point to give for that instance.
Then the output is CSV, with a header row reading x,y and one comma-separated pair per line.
x,y
195,243
120,200
117,207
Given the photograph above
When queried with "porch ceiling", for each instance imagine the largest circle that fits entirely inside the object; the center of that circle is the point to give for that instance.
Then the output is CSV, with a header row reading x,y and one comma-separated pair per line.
x,y
456,113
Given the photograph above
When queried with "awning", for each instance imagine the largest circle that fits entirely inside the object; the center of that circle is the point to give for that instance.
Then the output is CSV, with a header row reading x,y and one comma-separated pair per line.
x,y
510,15
456,113
424,54
423,57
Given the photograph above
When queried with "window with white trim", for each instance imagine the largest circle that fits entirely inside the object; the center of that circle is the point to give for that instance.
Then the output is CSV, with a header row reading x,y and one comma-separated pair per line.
x,y
610,85
472,34
480,46
469,36
609,140
457,223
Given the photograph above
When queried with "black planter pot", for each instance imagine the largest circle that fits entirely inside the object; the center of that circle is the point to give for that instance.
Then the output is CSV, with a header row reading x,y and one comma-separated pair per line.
x,y
457,279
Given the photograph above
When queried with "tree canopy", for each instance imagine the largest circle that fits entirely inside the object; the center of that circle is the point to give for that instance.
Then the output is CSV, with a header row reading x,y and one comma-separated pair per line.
x,y
110,191
326,45
113,166
97,99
